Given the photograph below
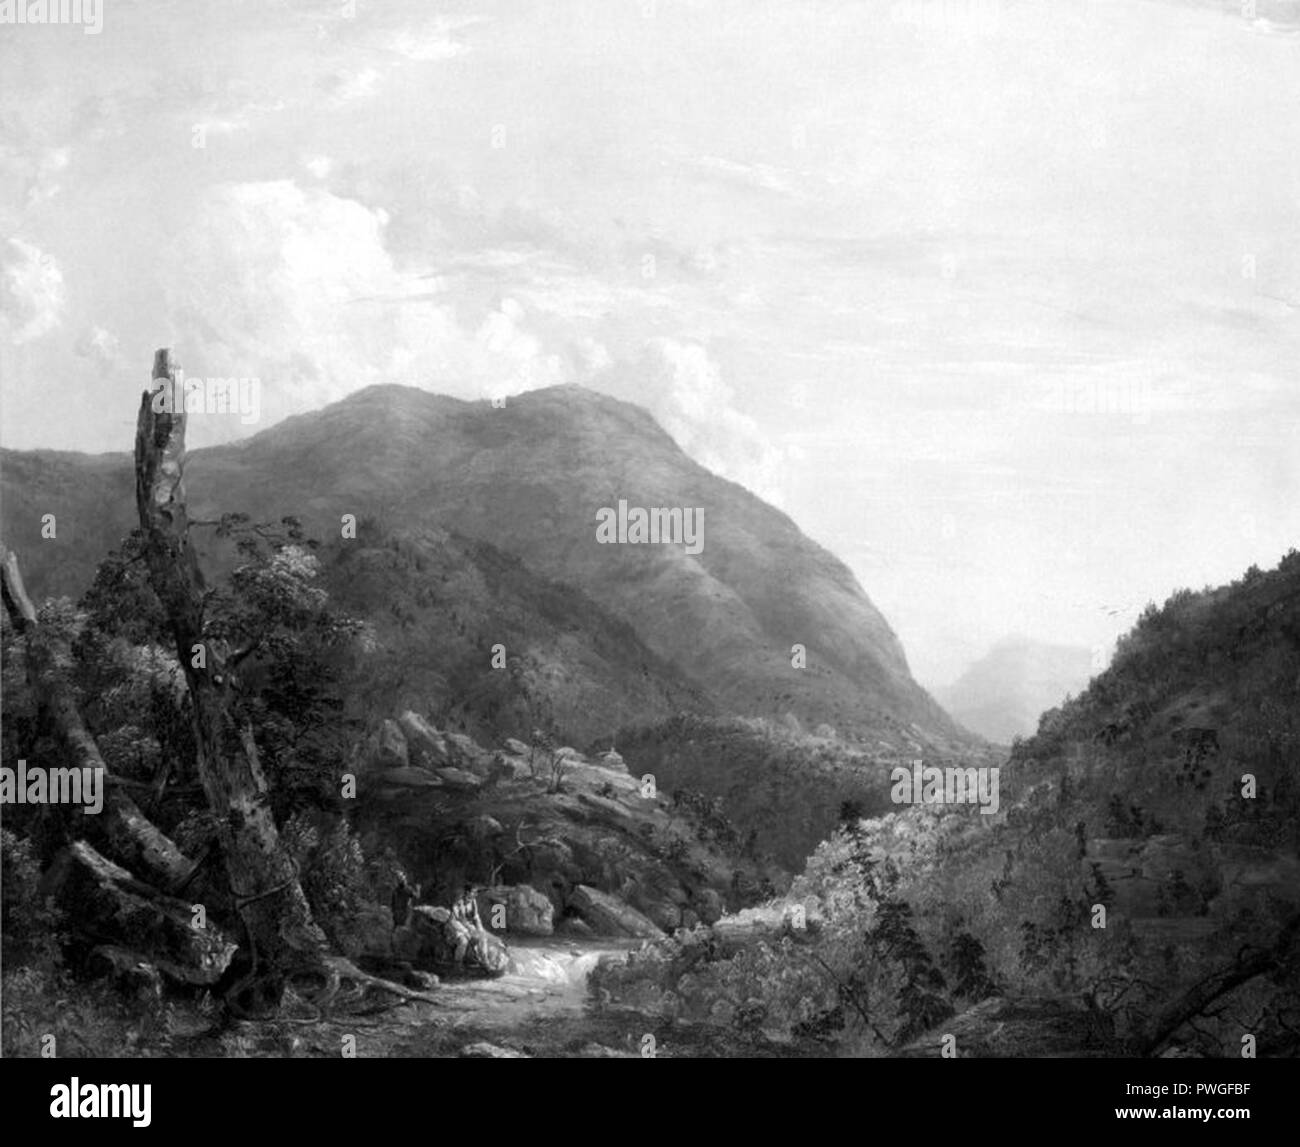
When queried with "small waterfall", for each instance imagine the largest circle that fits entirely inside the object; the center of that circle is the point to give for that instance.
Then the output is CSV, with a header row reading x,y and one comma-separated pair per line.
x,y
556,965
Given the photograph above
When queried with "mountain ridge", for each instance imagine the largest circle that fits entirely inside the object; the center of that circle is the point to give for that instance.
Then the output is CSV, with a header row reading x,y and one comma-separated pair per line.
x,y
528,477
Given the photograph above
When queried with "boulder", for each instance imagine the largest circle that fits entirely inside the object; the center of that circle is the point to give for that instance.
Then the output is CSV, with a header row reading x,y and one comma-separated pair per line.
x,y
613,760
528,912
505,767
609,916
420,981
575,926
493,954
426,745
660,910
459,779
465,753
387,747
484,827
429,917
517,747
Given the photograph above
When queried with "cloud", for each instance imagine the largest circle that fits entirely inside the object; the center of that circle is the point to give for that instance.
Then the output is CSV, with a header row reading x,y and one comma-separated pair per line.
x,y
683,387
102,348
31,288
434,44
52,161
763,176
344,87
319,165
296,286
519,358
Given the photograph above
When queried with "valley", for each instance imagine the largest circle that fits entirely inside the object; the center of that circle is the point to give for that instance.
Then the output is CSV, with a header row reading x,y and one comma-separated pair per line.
x,y
680,832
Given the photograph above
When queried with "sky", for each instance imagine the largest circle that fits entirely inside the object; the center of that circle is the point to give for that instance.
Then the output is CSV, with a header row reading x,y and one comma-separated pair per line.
x,y
999,301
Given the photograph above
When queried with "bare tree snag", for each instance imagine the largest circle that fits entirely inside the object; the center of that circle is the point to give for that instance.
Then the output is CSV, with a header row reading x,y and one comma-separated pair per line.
x,y
123,829
283,938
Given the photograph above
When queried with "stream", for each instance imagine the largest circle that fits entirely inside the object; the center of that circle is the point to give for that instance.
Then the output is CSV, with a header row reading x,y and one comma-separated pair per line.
x,y
540,1007
546,978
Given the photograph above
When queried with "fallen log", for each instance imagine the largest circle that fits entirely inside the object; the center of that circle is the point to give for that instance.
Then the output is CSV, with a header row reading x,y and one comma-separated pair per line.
x,y
110,910
121,827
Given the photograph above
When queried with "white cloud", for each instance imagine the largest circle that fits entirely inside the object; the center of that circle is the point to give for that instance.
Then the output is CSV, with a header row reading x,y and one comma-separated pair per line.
x,y
31,287
102,347
684,388
348,86
763,176
52,161
296,286
319,165
435,44
518,357
594,355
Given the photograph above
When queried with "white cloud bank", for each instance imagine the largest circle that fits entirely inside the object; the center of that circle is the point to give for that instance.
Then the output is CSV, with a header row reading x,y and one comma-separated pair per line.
x,y
31,290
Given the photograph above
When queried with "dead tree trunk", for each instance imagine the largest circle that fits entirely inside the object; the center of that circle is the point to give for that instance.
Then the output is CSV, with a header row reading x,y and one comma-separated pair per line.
x,y
122,828
283,938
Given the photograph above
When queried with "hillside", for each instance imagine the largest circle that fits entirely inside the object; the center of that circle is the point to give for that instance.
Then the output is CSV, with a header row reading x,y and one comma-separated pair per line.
x,y
528,479
786,788
1139,893
1002,695
437,603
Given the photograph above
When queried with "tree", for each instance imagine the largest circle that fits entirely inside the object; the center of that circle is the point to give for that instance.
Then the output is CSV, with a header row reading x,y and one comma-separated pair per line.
x,y
283,939
560,763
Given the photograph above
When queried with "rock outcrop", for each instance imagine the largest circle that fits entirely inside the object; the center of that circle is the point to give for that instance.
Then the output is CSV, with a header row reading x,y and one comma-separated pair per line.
x,y
586,849
426,747
527,911
609,916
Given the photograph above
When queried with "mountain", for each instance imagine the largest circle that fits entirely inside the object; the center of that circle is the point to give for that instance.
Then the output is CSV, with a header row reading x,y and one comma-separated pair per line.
x,y
528,479
1001,695
1136,894
436,603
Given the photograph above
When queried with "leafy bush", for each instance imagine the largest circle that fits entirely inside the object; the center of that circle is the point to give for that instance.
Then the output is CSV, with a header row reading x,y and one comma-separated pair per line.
x,y
30,925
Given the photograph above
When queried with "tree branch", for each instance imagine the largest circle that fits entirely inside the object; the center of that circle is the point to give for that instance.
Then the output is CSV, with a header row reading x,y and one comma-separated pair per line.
x,y
1219,983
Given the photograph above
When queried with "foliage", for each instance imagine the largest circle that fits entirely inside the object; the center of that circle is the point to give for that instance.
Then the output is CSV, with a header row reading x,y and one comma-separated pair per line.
x,y
31,927
336,878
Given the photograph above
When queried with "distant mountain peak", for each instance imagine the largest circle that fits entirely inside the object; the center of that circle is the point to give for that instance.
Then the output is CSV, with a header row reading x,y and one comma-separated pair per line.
x,y
1002,694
